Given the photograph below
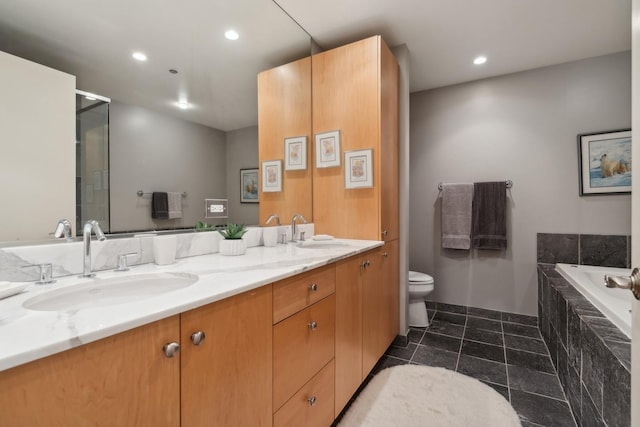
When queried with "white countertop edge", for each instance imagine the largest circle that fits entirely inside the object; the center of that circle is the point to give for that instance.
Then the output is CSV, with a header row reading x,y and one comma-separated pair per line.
x,y
30,335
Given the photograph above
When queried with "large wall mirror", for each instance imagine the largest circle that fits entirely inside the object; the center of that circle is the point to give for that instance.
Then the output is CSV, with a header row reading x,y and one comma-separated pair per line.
x,y
183,120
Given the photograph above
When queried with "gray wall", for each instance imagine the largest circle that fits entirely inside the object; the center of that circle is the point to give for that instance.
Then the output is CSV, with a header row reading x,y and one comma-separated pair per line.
x,y
521,127
242,153
151,151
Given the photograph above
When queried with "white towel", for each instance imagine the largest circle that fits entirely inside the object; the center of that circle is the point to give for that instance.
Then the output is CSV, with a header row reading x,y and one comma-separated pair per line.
x,y
175,205
456,215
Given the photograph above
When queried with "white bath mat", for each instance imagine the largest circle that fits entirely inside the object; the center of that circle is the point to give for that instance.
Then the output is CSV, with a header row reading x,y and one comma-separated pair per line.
x,y
412,395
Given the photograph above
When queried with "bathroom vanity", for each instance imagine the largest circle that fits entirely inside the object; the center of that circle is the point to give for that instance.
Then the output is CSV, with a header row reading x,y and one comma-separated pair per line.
x,y
280,336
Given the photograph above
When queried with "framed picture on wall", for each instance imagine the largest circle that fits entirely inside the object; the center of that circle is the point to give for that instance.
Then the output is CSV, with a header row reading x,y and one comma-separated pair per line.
x,y
272,176
295,153
328,149
358,169
249,185
605,162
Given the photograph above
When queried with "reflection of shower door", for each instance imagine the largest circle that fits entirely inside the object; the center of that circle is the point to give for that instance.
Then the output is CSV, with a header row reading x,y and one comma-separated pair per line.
x,y
92,161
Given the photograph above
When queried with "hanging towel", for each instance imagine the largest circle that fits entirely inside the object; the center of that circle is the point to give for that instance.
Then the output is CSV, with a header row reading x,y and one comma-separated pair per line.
x,y
489,215
456,215
159,205
175,205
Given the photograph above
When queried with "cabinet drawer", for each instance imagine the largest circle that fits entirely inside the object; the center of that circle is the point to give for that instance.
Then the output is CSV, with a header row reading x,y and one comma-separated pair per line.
x,y
312,405
302,344
293,294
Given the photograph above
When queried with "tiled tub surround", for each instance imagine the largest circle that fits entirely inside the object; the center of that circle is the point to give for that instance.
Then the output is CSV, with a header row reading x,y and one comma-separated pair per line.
x,y
592,356
584,249
27,335
503,350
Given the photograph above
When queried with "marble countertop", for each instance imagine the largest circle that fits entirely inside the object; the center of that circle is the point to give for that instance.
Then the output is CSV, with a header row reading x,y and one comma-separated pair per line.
x,y
27,335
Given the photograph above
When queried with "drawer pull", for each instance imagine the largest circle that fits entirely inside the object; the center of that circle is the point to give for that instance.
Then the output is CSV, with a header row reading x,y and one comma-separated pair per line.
x,y
385,232
311,400
367,263
197,337
313,287
170,349
385,254
313,325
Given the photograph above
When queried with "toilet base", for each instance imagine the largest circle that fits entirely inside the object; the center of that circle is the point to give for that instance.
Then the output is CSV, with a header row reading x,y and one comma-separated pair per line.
x,y
418,316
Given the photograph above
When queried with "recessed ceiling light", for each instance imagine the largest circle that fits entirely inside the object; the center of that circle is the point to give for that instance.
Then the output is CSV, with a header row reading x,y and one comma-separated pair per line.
x,y
183,105
139,56
232,35
480,60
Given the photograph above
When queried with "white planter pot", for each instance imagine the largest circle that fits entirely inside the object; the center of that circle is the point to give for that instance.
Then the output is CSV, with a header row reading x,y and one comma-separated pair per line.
x,y
233,247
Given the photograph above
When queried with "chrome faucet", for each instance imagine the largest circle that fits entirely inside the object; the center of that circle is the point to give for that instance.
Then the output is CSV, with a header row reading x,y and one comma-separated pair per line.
x,y
293,225
63,229
89,226
273,216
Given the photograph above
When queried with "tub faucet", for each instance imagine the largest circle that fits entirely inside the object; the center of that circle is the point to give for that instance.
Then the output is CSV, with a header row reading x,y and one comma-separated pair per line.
x,y
63,229
89,226
632,282
293,225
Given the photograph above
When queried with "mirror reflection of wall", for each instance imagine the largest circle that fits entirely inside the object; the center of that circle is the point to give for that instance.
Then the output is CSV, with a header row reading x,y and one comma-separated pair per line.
x,y
92,160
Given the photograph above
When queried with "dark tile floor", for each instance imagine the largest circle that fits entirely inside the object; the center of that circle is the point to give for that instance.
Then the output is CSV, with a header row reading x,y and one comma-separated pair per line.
x,y
502,350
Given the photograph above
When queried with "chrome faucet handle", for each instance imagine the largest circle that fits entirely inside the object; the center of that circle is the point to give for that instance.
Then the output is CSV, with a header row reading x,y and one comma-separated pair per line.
x,y
632,282
301,239
45,273
273,216
122,261
63,229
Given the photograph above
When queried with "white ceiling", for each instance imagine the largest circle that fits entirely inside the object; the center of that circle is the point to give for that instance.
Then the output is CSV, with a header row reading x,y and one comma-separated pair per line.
x,y
94,40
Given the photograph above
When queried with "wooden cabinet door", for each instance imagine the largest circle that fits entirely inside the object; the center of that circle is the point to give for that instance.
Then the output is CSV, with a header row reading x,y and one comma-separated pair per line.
x,y
226,379
373,312
348,363
122,380
391,298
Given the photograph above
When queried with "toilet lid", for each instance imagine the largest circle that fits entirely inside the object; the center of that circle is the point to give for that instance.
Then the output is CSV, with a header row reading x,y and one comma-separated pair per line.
x,y
418,277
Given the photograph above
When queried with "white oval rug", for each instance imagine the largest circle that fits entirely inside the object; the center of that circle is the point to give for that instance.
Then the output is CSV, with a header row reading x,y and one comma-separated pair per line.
x,y
415,395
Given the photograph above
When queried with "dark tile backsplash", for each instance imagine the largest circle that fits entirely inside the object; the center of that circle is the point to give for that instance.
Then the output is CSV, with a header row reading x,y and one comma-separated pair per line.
x,y
585,249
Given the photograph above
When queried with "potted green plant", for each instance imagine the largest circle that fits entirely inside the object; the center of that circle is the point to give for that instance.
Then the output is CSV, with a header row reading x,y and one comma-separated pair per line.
x,y
233,243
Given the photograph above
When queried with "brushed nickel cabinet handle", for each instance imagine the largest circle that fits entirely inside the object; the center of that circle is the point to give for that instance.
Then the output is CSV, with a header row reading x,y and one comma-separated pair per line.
x,y
384,232
197,337
311,400
385,254
313,325
170,349
313,287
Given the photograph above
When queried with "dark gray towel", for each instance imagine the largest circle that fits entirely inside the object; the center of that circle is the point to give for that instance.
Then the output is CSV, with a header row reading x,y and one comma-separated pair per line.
x,y
160,205
489,215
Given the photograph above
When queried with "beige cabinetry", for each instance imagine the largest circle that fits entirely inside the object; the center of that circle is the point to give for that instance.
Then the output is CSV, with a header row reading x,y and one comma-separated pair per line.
x,y
284,111
122,380
355,91
366,316
226,362
303,349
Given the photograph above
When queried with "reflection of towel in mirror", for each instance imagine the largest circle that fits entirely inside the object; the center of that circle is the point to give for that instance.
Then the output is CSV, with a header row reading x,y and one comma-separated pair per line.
x,y
456,216
175,205
159,205
490,215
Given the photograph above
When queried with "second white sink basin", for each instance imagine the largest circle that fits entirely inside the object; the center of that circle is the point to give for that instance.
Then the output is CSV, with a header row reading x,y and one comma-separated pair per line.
x,y
322,244
118,290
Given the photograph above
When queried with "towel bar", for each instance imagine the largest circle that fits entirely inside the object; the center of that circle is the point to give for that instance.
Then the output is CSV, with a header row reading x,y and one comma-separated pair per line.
x,y
508,183
141,193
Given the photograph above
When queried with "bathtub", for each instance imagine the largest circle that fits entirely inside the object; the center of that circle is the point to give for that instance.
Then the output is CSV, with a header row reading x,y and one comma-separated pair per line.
x,y
615,304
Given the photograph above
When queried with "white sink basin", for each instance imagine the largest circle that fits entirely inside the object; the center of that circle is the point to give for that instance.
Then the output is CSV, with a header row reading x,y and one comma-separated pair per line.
x,y
118,290
322,244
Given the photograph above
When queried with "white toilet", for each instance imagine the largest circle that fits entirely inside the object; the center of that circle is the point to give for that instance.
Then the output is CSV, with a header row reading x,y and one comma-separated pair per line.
x,y
420,285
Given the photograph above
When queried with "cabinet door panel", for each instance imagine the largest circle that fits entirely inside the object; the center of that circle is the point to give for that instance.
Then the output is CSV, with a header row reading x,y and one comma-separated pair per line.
x,y
299,410
226,380
373,313
300,350
122,380
348,330
391,298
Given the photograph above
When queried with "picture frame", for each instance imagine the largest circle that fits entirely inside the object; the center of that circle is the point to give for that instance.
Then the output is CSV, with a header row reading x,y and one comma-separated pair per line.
x,y
358,166
249,186
272,176
604,164
295,153
328,149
